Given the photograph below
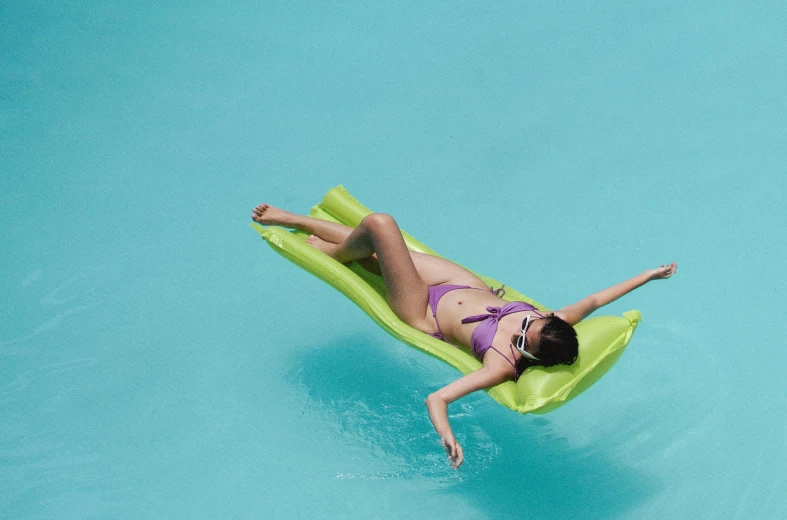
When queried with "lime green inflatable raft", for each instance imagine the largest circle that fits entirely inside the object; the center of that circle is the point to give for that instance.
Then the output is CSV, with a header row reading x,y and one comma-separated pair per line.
x,y
539,390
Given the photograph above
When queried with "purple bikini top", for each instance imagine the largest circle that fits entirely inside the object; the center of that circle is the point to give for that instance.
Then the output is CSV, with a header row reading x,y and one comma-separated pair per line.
x,y
484,332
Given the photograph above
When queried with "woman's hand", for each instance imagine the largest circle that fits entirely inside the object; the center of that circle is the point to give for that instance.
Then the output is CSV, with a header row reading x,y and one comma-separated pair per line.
x,y
437,405
453,450
663,272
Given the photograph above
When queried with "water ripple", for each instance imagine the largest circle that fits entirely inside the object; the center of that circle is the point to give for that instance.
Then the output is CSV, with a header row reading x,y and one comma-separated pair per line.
x,y
14,389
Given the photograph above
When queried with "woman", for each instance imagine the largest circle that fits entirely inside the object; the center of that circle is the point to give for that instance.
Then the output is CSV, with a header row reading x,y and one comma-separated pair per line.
x,y
449,302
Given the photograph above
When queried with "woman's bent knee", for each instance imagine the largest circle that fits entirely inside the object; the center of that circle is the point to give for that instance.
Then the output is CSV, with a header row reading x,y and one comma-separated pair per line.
x,y
379,221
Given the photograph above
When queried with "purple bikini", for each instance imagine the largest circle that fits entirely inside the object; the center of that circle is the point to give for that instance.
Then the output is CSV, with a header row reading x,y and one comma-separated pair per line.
x,y
484,332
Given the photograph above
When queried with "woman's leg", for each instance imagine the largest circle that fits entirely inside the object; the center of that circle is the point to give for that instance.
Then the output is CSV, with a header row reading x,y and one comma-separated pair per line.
x,y
332,232
406,292
432,270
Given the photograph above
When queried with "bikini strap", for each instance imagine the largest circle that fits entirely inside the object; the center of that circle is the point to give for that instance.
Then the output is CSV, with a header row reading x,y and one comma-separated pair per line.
x,y
513,365
498,292
516,372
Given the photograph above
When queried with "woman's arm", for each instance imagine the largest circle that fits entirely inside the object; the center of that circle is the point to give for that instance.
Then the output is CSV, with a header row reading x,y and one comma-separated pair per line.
x,y
437,404
577,312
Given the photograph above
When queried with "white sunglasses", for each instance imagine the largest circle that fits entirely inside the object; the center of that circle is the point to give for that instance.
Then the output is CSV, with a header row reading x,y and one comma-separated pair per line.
x,y
521,343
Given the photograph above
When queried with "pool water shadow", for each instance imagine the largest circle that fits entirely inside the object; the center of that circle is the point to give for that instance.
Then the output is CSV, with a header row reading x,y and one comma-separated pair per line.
x,y
372,393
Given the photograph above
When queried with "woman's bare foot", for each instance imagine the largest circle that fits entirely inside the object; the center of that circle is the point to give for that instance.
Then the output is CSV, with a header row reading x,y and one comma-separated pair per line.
x,y
321,245
268,215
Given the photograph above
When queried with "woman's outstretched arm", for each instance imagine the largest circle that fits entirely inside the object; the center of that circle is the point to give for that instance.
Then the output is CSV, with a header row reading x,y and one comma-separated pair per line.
x,y
577,312
437,404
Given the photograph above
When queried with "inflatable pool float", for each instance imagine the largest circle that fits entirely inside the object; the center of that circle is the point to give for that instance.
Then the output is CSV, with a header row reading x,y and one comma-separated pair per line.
x,y
602,339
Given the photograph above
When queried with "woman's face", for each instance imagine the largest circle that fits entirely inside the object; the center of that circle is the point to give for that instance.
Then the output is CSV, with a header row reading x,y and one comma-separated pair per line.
x,y
532,334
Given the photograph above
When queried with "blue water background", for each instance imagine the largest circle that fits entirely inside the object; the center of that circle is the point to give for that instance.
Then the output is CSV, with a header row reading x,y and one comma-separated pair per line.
x,y
157,360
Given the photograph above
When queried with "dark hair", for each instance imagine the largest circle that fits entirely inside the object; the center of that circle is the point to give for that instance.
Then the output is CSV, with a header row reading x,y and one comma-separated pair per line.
x,y
557,343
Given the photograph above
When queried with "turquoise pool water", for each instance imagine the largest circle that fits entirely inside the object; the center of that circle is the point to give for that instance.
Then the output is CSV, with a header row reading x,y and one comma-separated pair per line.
x,y
155,362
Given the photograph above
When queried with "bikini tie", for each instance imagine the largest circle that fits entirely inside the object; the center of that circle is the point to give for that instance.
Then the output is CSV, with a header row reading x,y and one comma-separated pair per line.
x,y
499,292
495,313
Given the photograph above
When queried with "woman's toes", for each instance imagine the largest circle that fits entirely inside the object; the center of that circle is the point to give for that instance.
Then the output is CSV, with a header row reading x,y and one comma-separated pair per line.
x,y
259,211
266,215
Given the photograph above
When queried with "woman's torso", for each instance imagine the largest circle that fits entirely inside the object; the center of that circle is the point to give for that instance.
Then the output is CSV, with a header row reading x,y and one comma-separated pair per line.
x,y
459,304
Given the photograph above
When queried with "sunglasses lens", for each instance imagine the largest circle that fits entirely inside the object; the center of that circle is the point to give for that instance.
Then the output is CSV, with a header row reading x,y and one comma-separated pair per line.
x,y
520,343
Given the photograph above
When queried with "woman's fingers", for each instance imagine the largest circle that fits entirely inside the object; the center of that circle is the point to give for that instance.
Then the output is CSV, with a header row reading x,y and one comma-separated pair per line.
x,y
448,444
666,270
460,456
453,451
